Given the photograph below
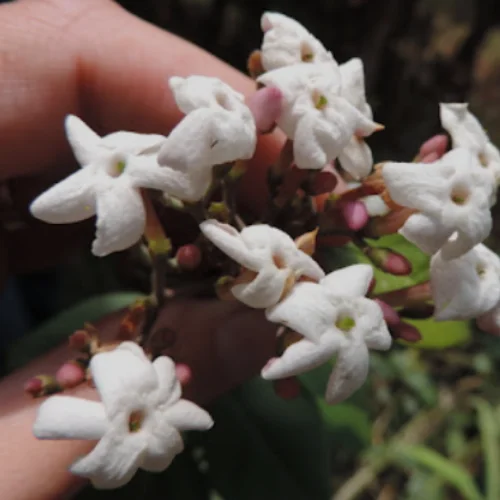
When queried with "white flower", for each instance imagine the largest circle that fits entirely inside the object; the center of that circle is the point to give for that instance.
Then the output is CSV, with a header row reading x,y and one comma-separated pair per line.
x,y
453,198
218,128
465,287
334,317
319,120
115,167
467,132
138,423
286,42
271,255
356,156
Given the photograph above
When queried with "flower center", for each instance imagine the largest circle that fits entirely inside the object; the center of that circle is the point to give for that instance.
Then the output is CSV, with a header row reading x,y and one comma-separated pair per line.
x,y
345,323
459,195
480,270
117,168
306,53
135,421
319,100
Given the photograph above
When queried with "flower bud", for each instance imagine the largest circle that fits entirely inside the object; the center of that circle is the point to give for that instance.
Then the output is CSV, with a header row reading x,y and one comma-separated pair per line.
x,y
265,106
418,311
391,316
188,257
287,388
387,224
389,261
42,385
254,64
354,214
405,331
183,373
70,374
80,340
436,145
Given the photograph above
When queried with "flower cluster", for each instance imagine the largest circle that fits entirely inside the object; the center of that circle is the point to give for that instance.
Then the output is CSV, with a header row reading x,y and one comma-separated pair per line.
x,y
440,203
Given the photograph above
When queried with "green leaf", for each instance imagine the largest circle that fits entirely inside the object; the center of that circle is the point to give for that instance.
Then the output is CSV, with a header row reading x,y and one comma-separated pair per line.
x,y
264,447
456,475
489,429
57,329
440,334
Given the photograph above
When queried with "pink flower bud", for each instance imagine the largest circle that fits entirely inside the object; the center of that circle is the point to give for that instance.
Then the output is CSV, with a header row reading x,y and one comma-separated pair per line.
x,y
324,182
405,331
42,385
389,261
355,214
80,340
418,311
184,373
430,158
188,257
437,144
391,316
287,388
70,374
265,106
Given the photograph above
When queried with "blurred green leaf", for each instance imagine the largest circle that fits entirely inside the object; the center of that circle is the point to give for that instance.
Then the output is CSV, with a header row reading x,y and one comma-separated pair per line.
x,y
264,447
57,329
422,484
440,334
456,475
489,429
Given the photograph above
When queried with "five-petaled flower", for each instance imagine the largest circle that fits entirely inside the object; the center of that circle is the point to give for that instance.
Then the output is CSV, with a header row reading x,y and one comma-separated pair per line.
x,y
138,423
467,132
114,169
314,114
270,259
466,287
218,128
286,42
452,197
334,317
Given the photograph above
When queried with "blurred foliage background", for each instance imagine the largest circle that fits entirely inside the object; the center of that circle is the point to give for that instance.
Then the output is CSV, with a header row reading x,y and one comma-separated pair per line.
x,y
427,424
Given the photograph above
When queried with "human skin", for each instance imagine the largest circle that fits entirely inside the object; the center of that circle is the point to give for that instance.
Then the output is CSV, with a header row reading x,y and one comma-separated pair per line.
x,y
97,61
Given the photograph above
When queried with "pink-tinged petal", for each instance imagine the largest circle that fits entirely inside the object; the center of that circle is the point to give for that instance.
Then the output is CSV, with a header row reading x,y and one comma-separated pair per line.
x,y
301,357
65,417
121,217
265,106
114,461
436,145
70,200
350,372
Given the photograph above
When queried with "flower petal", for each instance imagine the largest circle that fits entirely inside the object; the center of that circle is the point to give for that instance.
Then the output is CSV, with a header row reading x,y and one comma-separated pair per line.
x,y
169,387
350,372
124,380
286,42
133,143
228,240
120,217
163,445
187,416
114,461
356,158
265,290
353,85
352,281
301,357
463,126
83,140
416,185
376,334
64,417
70,200
306,310
425,233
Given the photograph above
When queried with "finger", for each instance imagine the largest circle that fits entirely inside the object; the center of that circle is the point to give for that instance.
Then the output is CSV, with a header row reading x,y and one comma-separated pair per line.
x,y
102,63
